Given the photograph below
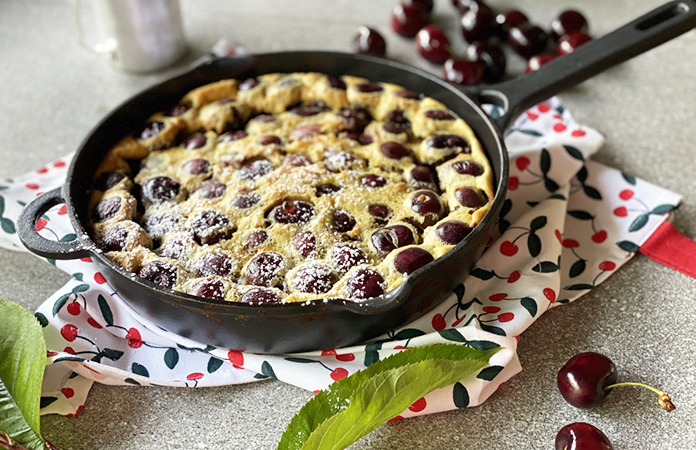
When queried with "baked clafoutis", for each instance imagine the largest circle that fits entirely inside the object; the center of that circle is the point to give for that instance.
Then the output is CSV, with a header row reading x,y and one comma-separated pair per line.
x,y
290,187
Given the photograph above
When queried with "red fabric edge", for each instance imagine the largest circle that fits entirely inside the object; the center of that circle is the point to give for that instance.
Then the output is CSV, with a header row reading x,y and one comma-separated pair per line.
x,y
670,248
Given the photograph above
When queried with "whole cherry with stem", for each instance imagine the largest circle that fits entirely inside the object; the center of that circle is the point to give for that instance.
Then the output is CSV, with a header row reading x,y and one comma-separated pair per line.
x,y
588,377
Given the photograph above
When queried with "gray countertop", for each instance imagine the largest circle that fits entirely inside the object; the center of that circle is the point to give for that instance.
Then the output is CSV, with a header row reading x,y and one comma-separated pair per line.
x,y
52,92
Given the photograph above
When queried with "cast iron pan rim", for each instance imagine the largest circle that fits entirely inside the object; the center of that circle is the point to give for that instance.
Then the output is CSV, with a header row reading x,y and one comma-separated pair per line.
x,y
391,298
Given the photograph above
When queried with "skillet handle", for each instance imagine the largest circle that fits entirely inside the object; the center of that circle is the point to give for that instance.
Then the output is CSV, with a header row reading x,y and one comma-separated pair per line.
x,y
654,28
38,244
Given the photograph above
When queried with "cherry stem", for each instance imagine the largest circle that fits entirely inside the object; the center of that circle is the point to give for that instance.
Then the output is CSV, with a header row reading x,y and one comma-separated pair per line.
x,y
662,397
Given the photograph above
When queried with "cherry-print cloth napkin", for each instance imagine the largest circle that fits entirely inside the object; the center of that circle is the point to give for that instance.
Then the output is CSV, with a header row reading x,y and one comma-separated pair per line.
x,y
567,224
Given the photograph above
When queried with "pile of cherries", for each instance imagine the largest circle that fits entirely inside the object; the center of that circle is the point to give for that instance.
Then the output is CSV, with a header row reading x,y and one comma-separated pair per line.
x,y
483,60
584,381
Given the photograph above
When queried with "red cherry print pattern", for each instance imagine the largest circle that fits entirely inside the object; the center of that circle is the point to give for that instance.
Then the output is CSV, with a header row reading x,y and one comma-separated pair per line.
x,y
522,162
438,322
532,116
550,294
607,265
514,276
621,211
513,183
69,350
42,170
236,358
67,392
94,323
99,278
78,411
507,248
69,332
59,164
40,224
394,419
134,343
458,321
418,405
570,243
32,186
544,107
50,354
328,352
346,358
626,194
400,347
578,133
339,373
194,376
558,235
491,309
63,210
86,259
599,236
497,297
506,317
559,128
133,334
73,308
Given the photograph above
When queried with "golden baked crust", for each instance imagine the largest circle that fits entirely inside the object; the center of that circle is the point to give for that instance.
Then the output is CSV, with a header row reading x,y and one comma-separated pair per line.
x,y
290,187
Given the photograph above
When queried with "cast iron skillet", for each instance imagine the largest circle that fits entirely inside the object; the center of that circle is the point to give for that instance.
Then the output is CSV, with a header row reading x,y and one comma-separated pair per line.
x,y
321,324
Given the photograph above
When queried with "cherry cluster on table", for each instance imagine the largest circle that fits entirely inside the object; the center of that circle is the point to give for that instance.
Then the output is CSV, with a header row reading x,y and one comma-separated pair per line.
x,y
483,60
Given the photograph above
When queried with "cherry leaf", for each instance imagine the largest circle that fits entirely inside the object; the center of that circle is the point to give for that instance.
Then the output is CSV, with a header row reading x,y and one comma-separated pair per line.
x,y
460,395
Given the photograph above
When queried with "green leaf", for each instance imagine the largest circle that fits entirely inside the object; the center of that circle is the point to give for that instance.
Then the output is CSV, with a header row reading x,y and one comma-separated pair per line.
x,y
579,287
22,362
300,360
577,268
507,206
581,215
372,353
545,162
60,303
629,178
214,364
357,404
550,185
531,132
662,209
7,225
105,310
530,305
538,223
574,152
582,174
483,345
78,276
171,358
460,395
42,319
131,381
80,288
68,237
452,335
408,333
492,329
592,192
112,354
2,205
545,267
481,274
139,369
534,244
46,401
267,370
489,373
639,222
628,246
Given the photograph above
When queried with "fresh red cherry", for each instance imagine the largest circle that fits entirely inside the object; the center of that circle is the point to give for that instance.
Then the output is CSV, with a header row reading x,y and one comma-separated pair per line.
x,y
492,56
568,22
581,436
527,40
584,378
570,42
425,4
433,44
536,61
588,377
463,72
509,19
369,42
407,20
478,24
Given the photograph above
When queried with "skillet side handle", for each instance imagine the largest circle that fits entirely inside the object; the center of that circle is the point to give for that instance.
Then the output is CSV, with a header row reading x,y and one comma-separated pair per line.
x,y
654,28
38,244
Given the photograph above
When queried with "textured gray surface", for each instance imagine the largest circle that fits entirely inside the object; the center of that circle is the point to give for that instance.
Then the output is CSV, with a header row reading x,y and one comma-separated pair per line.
x,y
52,92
